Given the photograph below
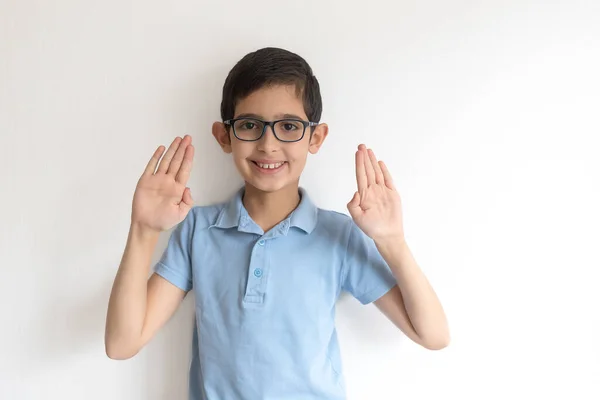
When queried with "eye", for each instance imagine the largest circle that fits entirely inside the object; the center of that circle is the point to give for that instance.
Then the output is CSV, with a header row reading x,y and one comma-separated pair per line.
x,y
246,124
290,126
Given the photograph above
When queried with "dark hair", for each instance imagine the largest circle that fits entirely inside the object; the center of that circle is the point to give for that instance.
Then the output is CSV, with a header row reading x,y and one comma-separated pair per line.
x,y
271,66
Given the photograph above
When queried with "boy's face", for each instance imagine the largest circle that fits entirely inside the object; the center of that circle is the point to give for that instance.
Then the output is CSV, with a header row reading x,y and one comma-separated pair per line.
x,y
270,103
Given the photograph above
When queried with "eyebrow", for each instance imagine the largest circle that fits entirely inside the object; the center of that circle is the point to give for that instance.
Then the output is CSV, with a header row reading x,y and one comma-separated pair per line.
x,y
278,116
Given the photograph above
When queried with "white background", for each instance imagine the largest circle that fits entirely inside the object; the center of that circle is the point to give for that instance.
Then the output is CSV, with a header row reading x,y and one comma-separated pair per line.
x,y
487,114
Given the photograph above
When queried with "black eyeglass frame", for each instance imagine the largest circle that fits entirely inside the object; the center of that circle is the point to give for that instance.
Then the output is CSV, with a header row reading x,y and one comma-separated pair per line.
x,y
305,124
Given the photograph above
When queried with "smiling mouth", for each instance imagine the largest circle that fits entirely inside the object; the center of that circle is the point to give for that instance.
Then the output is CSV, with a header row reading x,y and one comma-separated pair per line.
x,y
276,165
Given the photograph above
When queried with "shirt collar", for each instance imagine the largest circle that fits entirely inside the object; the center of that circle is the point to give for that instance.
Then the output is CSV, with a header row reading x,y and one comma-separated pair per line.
x,y
234,213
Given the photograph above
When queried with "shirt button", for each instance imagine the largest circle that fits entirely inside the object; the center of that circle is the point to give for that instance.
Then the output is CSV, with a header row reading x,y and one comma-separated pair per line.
x,y
258,272
261,242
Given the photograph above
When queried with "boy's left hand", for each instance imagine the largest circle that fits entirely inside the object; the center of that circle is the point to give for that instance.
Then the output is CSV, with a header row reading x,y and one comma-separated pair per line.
x,y
376,207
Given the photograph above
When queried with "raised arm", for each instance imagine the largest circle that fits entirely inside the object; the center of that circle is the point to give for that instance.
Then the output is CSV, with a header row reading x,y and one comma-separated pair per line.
x,y
139,305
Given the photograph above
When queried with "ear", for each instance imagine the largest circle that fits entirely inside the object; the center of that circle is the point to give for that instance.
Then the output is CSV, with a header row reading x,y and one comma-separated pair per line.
x,y
317,138
219,131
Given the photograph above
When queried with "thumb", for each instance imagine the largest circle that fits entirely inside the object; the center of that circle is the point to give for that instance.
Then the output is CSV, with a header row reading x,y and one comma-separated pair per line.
x,y
354,204
187,201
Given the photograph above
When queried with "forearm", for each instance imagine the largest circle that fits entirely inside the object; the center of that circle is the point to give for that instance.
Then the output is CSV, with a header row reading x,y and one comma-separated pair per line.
x,y
421,303
127,304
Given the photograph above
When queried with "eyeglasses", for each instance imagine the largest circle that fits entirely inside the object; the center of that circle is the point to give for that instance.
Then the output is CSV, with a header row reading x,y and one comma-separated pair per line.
x,y
285,130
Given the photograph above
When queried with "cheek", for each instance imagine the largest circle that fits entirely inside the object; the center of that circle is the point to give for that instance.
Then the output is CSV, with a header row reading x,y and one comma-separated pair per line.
x,y
240,151
298,155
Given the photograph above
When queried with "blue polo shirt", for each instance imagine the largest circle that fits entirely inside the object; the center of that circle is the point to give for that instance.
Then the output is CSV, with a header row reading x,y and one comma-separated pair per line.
x,y
265,301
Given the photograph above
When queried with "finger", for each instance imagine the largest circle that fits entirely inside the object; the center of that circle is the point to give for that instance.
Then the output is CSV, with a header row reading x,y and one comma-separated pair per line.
x,y
369,168
187,202
361,173
187,197
186,166
389,182
378,174
178,157
151,166
355,202
163,167
354,206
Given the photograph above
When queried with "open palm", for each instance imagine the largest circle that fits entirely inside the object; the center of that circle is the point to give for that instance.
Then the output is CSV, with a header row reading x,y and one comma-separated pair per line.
x,y
376,206
161,199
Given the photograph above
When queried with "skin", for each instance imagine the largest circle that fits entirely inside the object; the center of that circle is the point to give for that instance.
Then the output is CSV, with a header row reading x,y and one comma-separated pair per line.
x,y
277,193
139,307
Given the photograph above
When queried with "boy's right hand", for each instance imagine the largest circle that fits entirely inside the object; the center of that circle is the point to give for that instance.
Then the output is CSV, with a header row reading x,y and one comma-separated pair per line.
x,y
161,199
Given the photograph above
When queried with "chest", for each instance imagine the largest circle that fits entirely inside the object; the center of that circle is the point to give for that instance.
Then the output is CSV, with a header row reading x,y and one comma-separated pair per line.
x,y
275,275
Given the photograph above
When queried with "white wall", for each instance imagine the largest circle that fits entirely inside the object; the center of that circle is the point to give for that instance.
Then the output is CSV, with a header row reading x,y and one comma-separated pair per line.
x,y
487,114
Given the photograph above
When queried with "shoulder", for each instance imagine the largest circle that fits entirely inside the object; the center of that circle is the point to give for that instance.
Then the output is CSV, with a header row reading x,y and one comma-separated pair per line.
x,y
334,222
203,217
342,228
334,217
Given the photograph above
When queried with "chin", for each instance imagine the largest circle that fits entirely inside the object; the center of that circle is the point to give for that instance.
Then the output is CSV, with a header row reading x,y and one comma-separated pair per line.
x,y
269,184
267,187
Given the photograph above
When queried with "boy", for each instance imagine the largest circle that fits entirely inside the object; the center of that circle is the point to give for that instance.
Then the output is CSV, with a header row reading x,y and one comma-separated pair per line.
x,y
267,266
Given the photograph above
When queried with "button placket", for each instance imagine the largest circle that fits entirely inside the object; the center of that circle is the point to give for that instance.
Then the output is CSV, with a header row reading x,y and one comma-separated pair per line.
x,y
256,273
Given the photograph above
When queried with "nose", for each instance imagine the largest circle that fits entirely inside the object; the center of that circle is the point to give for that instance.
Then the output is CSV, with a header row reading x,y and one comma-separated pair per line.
x,y
268,142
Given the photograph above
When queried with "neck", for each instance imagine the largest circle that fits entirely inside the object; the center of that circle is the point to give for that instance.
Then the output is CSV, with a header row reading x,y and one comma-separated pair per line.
x,y
268,209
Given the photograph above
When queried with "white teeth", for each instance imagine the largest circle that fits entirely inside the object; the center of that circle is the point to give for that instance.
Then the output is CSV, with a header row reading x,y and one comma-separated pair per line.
x,y
270,166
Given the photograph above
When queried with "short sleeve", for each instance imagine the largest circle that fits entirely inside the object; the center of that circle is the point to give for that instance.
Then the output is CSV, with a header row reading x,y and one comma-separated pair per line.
x,y
366,275
175,265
